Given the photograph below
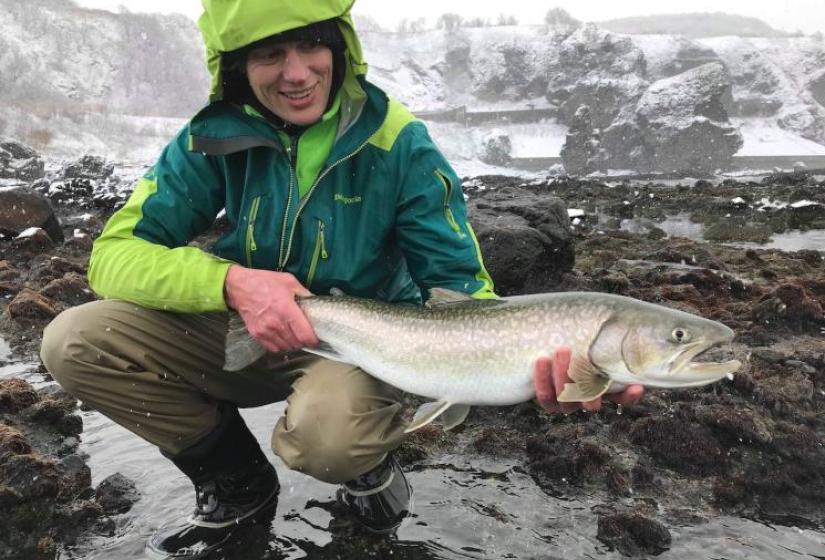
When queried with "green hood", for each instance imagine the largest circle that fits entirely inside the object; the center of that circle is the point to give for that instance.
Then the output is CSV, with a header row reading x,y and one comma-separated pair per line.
x,y
227,26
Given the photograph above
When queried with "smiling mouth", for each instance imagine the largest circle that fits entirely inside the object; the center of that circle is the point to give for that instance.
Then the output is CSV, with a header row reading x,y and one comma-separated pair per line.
x,y
300,94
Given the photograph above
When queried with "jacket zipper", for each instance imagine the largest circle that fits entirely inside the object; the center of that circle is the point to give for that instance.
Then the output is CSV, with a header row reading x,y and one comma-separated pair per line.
x,y
250,230
292,152
320,251
448,191
285,256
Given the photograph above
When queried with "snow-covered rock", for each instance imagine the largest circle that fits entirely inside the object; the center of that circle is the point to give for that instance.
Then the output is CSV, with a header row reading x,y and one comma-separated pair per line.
x,y
679,124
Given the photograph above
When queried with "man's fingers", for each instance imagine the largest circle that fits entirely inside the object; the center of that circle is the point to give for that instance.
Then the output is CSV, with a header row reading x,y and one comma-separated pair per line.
x,y
629,396
561,363
302,331
593,405
274,343
543,381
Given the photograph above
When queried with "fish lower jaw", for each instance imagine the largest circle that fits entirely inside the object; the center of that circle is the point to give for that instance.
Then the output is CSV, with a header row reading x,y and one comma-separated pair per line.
x,y
681,383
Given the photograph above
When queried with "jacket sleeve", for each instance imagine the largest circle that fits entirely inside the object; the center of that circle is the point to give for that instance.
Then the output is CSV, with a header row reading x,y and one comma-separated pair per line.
x,y
431,221
142,254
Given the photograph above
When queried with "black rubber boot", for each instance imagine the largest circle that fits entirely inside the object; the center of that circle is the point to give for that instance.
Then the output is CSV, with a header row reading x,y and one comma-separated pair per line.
x,y
381,498
233,483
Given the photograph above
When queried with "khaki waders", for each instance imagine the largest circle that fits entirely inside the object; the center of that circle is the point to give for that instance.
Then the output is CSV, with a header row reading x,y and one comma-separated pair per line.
x,y
159,374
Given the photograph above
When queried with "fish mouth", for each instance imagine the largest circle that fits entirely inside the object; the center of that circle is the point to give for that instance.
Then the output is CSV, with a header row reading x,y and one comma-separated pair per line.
x,y
686,371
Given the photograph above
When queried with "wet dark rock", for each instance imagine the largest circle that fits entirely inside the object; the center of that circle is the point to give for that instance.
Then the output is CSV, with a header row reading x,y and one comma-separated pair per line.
x,y
790,305
15,395
525,239
633,534
688,448
76,477
18,150
116,494
72,289
519,259
12,442
30,306
788,178
734,425
496,441
54,268
421,443
32,243
88,167
30,476
783,391
737,230
7,271
42,499
72,191
569,462
18,161
22,208
57,413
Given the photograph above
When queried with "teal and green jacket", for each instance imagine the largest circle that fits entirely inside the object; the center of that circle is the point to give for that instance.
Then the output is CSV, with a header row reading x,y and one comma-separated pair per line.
x,y
363,201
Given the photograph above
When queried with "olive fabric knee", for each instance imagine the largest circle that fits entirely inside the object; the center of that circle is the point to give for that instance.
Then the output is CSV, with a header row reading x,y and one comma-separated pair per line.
x,y
156,373
339,423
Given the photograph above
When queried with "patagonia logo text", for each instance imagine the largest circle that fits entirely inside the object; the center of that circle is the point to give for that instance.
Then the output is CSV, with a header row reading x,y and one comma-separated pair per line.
x,y
347,199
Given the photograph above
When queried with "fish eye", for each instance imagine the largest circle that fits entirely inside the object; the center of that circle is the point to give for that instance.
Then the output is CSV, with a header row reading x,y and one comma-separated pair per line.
x,y
680,335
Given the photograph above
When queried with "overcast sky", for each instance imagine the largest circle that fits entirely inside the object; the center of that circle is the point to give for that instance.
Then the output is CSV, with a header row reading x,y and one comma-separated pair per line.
x,y
788,15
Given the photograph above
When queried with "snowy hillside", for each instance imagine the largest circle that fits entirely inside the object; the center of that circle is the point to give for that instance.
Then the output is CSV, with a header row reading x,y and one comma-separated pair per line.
x,y
120,85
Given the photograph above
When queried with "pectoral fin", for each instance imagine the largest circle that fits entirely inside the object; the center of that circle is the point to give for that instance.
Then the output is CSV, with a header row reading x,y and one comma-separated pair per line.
x,y
451,414
242,350
588,382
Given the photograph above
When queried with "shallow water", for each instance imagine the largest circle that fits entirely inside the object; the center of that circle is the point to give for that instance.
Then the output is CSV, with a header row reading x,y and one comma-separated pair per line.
x,y
465,507
10,367
681,225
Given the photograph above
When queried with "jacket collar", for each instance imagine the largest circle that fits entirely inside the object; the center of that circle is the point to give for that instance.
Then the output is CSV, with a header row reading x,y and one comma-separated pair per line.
x,y
222,128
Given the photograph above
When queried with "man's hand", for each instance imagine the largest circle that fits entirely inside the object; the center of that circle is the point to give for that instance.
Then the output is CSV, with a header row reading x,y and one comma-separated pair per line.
x,y
265,301
550,375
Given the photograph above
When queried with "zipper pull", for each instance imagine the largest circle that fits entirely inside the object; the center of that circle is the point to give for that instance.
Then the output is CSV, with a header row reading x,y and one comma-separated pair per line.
x,y
292,150
324,253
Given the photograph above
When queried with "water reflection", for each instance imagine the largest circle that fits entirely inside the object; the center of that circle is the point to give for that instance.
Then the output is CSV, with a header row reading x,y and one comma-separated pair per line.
x,y
11,367
680,225
465,506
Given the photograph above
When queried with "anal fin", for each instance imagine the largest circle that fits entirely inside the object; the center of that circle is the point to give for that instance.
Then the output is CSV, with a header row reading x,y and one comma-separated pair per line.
x,y
451,415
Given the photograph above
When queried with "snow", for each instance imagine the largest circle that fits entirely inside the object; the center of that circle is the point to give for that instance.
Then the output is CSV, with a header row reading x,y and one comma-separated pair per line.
x,y
29,232
765,138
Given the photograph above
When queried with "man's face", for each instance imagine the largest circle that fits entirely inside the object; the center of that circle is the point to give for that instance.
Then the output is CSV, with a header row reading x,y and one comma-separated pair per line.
x,y
292,79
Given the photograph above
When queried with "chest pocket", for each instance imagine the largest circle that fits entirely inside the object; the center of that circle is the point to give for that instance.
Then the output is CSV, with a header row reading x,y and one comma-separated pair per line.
x,y
254,218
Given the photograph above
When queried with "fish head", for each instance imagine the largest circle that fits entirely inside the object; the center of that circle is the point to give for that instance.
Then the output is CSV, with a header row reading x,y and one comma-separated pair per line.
x,y
656,346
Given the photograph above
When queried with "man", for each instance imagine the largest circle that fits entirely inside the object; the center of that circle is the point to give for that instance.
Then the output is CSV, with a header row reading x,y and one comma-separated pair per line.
x,y
327,184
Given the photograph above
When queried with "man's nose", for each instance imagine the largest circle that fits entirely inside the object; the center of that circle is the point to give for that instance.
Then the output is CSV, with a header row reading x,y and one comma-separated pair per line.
x,y
295,68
